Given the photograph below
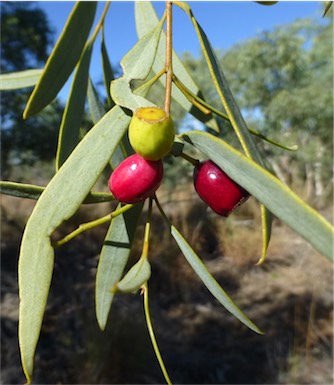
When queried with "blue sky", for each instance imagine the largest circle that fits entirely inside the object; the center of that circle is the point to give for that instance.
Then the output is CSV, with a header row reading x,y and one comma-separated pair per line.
x,y
225,23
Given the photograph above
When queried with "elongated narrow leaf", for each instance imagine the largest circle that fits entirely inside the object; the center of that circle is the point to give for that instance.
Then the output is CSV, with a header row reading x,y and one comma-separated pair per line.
x,y
97,112
146,19
30,191
327,5
62,197
213,286
63,57
136,277
267,219
114,256
269,190
235,117
123,96
136,64
108,73
96,107
20,79
69,132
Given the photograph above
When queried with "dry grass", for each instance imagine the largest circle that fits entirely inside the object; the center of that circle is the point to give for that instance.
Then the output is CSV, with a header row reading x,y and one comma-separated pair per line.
x,y
290,297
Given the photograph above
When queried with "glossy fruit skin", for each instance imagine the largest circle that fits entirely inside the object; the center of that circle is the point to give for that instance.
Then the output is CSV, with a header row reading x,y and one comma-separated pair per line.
x,y
217,189
135,179
151,133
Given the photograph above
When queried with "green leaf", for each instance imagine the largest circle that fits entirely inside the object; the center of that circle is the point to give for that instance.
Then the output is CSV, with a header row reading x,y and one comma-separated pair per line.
x,y
114,256
139,274
235,117
97,111
212,285
63,57
136,64
108,74
269,190
69,132
19,79
96,107
327,6
122,95
146,19
59,201
30,191
266,219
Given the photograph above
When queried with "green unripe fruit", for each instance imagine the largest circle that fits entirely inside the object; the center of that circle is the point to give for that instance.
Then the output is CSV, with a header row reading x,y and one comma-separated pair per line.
x,y
151,133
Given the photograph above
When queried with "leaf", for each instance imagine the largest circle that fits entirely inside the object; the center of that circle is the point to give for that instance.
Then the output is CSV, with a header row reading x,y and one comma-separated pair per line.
x,y
235,117
59,201
97,111
266,2
71,122
139,274
122,95
269,190
207,107
30,191
136,64
108,74
96,107
114,256
212,285
146,19
266,219
327,6
63,57
19,79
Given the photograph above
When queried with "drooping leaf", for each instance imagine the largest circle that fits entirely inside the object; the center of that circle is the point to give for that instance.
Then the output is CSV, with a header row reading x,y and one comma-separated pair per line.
x,y
327,5
266,219
212,285
19,79
61,198
63,57
146,19
207,106
139,274
269,190
30,191
136,64
108,73
69,132
235,117
96,107
97,111
114,256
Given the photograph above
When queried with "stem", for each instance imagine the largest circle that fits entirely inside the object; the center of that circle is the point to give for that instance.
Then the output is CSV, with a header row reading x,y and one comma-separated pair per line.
x,y
152,336
162,211
189,158
145,86
147,231
169,57
100,23
90,225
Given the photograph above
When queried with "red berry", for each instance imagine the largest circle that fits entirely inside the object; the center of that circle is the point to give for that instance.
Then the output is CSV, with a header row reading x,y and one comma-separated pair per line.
x,y
217,189
135,179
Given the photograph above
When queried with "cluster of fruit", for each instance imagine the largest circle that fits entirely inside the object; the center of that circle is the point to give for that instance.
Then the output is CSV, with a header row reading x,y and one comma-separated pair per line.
x,y
151,134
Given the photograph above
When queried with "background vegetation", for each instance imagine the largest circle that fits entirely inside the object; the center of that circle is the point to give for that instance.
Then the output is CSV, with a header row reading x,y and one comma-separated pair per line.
x,y
277,78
